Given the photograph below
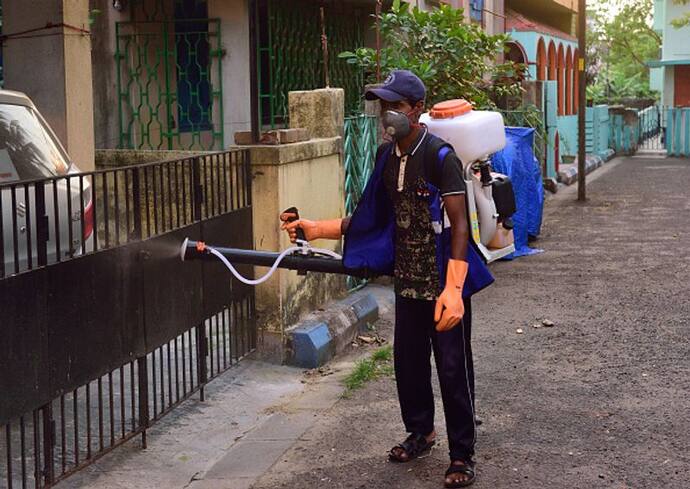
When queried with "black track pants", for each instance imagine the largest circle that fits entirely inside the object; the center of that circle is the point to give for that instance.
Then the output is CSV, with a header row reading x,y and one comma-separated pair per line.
x,y
415,336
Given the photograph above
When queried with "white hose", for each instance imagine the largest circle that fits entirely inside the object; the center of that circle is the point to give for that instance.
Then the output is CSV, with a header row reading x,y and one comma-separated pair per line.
x,y
274,267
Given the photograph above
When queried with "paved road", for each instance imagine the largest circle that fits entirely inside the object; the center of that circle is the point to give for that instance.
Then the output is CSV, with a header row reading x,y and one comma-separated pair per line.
x,y
600,400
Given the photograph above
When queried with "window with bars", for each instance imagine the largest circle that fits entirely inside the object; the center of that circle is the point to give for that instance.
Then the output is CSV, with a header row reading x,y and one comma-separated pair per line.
x,y
192,52
290,54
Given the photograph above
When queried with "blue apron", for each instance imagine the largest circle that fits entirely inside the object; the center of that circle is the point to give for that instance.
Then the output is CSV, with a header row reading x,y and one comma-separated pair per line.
x,y
370,237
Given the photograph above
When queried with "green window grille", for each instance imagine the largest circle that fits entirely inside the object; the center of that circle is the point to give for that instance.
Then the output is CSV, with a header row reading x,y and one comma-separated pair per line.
x,y
290,56
192,51
361,142
169,77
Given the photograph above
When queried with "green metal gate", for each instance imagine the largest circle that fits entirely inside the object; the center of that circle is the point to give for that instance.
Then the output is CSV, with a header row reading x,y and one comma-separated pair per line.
x,y
169,84
359,153
290,55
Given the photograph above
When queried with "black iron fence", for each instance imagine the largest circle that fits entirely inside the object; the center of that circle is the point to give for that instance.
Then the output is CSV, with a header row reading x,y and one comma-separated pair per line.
x,y
651,127
104,329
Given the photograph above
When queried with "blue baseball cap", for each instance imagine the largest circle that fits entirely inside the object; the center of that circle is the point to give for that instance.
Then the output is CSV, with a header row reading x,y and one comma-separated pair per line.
x,y
400,85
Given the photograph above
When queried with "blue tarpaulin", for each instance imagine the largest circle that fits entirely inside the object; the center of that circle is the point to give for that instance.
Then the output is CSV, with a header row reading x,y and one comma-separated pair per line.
x,y
518,162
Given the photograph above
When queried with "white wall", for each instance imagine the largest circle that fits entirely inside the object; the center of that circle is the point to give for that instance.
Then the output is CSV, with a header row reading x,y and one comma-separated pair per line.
x,y
656,79
667,98
49,66
106,120
659,17
676,43
234,16
429,4
494,16
494,11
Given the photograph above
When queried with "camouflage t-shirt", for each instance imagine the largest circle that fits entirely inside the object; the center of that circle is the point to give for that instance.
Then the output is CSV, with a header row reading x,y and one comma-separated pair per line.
x,y
416,273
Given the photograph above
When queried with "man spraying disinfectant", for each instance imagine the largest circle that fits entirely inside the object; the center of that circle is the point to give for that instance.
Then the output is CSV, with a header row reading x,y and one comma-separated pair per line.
x,y
412,222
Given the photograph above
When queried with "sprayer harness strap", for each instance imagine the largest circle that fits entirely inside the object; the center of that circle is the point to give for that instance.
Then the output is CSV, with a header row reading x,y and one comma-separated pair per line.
x,y
435,153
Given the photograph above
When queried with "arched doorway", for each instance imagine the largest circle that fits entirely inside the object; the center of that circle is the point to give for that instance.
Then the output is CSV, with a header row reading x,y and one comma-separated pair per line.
x,y
541,59
552,61
561,80
516,54
576,81
557,152
569,82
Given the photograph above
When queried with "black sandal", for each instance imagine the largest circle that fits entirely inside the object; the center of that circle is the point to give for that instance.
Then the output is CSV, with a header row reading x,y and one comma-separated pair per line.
x,y
466,468
414,446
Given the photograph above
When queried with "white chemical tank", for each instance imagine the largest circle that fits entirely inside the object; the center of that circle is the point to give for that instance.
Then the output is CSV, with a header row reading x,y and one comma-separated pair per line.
x,y
474,134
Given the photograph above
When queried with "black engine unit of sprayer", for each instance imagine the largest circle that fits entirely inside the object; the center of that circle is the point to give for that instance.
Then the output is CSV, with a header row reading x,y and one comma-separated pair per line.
x,y
501,189
504,197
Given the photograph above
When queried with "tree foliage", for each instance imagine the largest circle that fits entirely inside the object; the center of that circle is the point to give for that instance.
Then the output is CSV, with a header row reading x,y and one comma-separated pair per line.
x,y
683,20
453,58
618,48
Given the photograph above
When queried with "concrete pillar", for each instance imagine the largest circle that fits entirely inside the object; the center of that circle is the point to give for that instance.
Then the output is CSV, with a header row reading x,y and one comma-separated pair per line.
x,y
320,111
52,66
234,27
310,176
104,67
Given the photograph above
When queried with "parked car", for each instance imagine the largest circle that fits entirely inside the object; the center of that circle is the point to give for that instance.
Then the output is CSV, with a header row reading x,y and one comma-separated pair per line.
x,y
31,155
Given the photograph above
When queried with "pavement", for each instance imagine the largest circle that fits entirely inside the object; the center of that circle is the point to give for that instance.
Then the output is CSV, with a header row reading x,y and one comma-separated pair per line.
x,y
600,399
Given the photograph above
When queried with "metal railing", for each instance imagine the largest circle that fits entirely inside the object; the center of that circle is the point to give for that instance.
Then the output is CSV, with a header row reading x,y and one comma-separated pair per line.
x,y
650,131
58,218
654,128
103,337
678,131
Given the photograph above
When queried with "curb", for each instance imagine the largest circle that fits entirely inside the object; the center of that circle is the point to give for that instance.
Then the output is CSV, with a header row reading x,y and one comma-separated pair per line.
x,y
568,174
324,334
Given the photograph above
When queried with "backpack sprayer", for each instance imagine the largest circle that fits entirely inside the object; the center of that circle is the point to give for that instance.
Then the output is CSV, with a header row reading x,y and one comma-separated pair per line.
x,y
476,134
303,257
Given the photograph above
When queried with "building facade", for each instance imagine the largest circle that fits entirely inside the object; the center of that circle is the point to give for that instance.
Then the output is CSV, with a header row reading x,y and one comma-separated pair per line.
x,y
183,74
543,39
670,75
490,13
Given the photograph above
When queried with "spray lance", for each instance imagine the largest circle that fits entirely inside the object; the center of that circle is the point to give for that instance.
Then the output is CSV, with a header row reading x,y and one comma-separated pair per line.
x,y
303,257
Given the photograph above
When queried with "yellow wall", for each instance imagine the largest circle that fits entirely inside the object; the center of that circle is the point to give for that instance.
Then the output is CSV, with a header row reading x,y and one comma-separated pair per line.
x,y
309,176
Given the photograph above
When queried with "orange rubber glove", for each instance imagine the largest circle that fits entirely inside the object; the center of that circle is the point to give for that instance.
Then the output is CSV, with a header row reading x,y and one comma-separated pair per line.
x,y
449,306
328,229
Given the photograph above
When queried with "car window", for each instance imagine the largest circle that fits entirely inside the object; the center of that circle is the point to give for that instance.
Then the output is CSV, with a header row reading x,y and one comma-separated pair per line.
x,y
27,150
